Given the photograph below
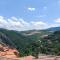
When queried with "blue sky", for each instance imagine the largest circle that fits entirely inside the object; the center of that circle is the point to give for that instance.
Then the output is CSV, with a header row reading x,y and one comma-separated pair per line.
x,y
29,14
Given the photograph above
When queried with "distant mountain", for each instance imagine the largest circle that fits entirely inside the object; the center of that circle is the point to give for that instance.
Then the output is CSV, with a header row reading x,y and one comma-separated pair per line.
x,y
53,29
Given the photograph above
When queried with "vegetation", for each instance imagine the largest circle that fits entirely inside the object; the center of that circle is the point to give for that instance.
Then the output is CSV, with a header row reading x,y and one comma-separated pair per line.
x,y
32,44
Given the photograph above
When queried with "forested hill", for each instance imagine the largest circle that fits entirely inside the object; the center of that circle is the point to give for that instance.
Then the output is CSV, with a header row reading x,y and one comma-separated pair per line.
x,y
32,42
14,40
25,44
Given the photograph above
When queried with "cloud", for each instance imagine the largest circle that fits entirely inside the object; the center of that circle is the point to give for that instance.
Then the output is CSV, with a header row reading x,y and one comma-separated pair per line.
x,y
57,20
56,23
39,25
31,9
20,24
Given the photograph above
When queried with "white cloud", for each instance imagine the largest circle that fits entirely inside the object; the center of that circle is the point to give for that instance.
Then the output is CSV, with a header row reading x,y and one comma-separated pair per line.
x,y
19,24
39,25
31,9
56,23
57,20
14,18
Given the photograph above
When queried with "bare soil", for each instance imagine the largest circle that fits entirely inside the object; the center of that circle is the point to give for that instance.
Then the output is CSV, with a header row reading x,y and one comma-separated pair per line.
x,y
32,58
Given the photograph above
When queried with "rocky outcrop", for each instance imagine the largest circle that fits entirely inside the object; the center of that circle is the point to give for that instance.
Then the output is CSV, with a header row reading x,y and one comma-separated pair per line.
x,y
8,52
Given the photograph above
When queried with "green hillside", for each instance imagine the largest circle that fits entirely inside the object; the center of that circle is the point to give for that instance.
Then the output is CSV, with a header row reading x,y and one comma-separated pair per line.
x,y
24,44
32,42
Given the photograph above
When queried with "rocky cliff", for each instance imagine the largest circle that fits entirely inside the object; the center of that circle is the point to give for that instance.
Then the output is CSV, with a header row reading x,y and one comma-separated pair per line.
x,y
6,51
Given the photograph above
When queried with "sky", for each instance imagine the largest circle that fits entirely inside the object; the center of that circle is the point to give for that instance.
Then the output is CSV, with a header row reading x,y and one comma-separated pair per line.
x,y
23,15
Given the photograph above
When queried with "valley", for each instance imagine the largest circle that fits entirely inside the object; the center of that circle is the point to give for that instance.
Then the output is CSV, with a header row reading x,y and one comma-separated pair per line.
x,y
29,44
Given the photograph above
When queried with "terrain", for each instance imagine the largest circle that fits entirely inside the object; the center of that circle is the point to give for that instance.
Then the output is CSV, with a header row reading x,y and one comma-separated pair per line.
x,y
32,42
